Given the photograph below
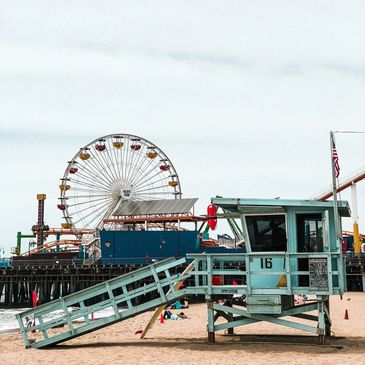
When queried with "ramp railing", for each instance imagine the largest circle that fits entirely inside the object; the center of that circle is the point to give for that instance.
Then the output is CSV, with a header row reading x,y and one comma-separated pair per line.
x,y
70,316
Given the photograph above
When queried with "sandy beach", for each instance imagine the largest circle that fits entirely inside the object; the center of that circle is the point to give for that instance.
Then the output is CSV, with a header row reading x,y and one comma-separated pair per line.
x,y
184,342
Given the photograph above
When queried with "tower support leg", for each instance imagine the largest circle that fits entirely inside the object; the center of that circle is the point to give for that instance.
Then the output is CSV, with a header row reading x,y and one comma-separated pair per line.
x,y
230,331
328,317
211,334
321,329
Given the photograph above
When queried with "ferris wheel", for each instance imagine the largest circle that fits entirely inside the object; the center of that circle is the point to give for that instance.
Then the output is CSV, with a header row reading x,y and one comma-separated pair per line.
x,y
110,170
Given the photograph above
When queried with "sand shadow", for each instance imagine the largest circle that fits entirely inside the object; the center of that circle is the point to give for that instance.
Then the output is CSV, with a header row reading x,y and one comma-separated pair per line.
x,y
252,343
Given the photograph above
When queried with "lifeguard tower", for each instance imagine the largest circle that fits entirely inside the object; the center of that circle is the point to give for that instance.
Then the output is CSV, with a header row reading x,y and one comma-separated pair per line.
x,y
292,248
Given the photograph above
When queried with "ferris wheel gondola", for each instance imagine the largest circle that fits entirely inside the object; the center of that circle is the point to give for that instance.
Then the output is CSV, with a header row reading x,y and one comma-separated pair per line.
x,y
110,170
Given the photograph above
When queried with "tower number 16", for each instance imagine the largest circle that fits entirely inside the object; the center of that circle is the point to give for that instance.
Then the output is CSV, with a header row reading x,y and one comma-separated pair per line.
x,y
266,263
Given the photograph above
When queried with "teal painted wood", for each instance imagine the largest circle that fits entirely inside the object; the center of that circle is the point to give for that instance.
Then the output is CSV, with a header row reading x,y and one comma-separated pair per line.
x,y
250,318
65,318
247,287
242,204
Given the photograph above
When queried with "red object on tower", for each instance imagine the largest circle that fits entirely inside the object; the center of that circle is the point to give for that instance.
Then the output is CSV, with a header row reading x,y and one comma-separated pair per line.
x,y
217,280
212,216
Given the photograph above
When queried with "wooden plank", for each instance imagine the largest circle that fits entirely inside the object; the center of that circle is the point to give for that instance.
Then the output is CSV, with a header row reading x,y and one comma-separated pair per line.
x,y
159,310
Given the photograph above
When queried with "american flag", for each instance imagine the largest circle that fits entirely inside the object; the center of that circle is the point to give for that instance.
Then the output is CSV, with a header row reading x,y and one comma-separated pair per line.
x,y
336,165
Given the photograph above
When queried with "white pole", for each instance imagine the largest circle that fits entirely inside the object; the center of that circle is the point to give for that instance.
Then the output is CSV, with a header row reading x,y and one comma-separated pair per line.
x,y
334,187
354,212
355,219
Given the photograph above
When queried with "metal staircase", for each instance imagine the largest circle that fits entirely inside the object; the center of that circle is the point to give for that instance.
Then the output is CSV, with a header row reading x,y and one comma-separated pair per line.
x,y
57,321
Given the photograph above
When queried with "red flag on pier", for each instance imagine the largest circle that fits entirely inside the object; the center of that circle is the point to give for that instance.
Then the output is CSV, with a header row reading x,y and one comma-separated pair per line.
x,y
34,298
336,165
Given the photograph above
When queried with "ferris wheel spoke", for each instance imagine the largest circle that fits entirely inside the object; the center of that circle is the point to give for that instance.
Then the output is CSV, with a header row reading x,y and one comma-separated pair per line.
x,y
104,156
89,185
109,151
99,206
141,171
86,196
101,216
106,168
143,177
85,202
150,178
130,164
77,188
95,179
100,167
149,183
90,210
134,161
116,160
153,188
96,172
125,158
139,163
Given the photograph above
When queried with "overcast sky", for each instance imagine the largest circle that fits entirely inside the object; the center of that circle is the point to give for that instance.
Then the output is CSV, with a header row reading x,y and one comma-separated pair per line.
x,y
241,95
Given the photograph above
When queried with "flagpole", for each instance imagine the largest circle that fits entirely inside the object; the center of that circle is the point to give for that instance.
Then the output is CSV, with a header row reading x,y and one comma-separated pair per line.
x,y
334,187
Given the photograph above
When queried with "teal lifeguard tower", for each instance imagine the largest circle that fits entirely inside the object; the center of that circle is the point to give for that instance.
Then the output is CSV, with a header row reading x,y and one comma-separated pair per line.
x,y
293,247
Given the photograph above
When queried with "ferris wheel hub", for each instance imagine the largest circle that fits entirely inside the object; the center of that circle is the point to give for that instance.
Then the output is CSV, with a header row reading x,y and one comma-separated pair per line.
x,y
127,191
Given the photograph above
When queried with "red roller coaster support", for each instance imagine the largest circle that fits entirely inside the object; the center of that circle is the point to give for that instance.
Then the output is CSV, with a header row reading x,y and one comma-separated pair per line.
x,y
344,185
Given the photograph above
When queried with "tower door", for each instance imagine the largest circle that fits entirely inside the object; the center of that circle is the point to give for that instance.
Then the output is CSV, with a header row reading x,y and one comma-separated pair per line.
x,y
309,239
310,233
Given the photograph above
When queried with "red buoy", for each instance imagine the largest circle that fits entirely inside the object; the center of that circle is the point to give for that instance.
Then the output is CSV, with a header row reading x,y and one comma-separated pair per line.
x,y
212,216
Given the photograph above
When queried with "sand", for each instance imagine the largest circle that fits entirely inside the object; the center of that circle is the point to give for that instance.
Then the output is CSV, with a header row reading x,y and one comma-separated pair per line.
x,y
184,342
